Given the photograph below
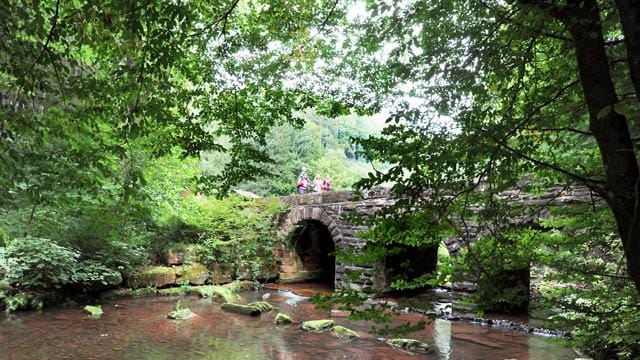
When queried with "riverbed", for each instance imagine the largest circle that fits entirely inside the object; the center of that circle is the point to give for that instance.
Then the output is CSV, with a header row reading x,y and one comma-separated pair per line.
x,y
140,329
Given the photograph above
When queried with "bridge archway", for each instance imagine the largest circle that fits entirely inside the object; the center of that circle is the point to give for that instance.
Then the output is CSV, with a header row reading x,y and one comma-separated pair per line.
x,y
312,237
314,251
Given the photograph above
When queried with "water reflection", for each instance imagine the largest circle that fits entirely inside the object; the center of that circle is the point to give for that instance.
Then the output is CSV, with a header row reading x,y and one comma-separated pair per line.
x,y
139,329
442,338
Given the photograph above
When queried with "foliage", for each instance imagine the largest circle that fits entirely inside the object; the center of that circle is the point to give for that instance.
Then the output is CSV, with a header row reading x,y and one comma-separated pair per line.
x,y
584,282
504,90
36,268
238,232
39,264
323,145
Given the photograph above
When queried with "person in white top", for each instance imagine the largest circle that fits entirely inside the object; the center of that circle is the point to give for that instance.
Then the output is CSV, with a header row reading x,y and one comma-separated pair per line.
x,y
317,184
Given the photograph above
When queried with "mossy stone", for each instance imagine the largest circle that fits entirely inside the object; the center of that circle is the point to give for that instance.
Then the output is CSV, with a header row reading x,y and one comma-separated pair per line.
x,y
317,325
344,334
94,311
181,314
152,276
194,274
283,319
262,305
409,345
241,309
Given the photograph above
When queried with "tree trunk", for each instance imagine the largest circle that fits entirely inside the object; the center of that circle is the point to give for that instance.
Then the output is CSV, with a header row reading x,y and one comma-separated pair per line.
x,y
629,11
582,19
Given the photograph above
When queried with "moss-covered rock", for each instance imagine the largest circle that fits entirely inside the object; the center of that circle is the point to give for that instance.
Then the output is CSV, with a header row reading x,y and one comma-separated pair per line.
x,y
344,334
152,276
283,319
241,309
317,325
181,314
94,311
262,305
409,345
218,293
129,293
194,274
180,253
221,273
252,309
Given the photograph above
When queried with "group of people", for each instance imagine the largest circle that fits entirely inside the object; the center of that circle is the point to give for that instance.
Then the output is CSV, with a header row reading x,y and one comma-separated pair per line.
x,y
318,185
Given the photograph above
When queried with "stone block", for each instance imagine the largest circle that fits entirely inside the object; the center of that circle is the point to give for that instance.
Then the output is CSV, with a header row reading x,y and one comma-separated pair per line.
x,y
194,274
152,276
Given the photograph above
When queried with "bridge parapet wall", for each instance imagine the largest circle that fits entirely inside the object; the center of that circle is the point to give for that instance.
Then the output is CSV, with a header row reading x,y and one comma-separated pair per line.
x,y
332,209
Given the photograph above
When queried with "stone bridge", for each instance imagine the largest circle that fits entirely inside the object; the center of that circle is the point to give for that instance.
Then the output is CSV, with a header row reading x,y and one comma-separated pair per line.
x,y
316,225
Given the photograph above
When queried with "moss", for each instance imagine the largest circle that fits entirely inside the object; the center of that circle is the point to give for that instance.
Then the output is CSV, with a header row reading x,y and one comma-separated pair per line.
x,y
181,314
224,293
262,305
409,345
195,274
317,325
344,334
94,311
156,276
130,293
217,293
283,319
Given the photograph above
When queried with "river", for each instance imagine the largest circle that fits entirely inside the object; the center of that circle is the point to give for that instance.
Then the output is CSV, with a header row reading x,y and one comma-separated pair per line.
x,y
139,329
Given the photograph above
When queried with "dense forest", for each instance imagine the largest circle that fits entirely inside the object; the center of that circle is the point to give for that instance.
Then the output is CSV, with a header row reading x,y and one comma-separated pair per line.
x,y
126,125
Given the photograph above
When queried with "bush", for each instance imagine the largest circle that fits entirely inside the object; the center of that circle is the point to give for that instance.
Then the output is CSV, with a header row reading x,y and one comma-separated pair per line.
x,y
38,264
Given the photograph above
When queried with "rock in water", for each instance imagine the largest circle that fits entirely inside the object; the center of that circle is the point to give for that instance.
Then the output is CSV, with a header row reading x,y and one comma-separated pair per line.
x,y
283,319
344,334
241,309
409,345
94,311
317,325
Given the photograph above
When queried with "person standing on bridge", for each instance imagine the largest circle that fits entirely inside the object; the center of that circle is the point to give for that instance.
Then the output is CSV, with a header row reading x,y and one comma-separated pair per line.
x,y
303,184
326,184
317,184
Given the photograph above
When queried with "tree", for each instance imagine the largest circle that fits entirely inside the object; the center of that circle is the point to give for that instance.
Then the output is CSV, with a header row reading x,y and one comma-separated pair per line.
x,y
529,85
496,90
84,86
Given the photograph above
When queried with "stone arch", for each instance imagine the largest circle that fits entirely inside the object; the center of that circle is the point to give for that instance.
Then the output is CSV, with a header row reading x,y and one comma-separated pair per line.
x,y
312,236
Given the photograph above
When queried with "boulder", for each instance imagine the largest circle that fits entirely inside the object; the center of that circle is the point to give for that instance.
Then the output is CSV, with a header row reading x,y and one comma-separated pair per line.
x,y
94,311
152,276
241,309
220,273
410,345
194,274
262,305
317,325
181,254
283,319
252,309
344,334
180,313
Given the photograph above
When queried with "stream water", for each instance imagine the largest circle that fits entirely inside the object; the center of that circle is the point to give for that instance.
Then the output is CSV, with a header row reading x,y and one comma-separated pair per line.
x,y
140,329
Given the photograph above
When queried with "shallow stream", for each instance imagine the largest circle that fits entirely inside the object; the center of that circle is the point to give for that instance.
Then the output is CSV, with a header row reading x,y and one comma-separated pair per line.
x,y
140,329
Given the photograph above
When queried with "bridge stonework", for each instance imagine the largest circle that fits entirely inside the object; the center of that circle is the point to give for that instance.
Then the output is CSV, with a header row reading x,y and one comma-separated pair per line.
x,y
322,219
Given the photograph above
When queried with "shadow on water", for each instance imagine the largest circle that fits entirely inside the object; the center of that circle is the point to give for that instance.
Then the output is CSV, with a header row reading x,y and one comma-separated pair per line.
x,y
140,329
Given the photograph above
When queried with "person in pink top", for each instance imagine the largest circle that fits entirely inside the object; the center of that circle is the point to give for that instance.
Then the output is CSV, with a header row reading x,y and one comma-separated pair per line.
x,y
326,184
303,184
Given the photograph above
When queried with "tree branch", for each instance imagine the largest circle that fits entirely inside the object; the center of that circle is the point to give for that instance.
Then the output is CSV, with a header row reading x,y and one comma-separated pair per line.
x,y
596,185
222,18
54,19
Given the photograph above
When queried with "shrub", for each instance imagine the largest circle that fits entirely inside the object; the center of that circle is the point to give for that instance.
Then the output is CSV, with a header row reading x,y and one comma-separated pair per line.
x,y
38,264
